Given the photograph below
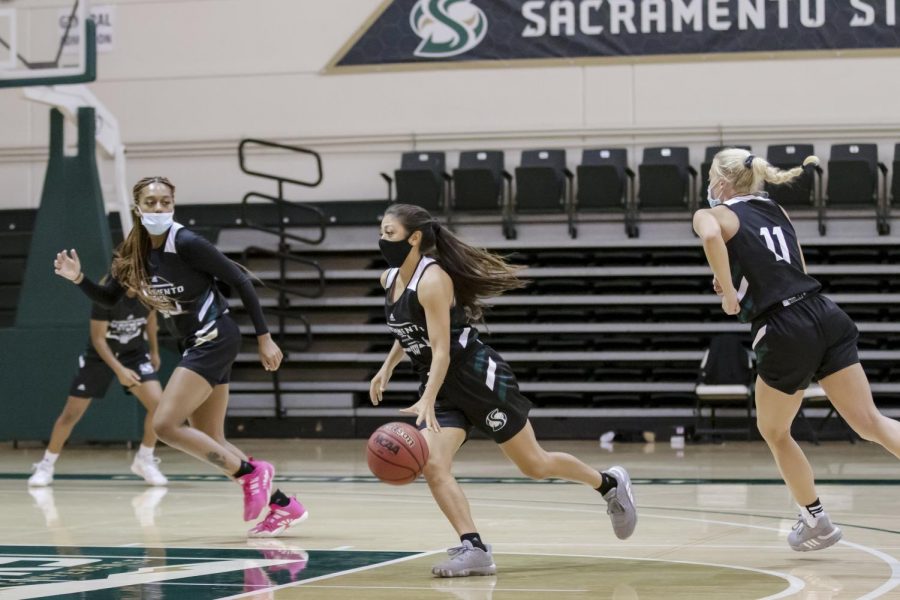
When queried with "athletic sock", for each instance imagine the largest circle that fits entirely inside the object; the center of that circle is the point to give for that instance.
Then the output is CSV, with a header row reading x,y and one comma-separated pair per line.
x,y
475,540
145,451
608,483
279,498
50,457
246,469
811,512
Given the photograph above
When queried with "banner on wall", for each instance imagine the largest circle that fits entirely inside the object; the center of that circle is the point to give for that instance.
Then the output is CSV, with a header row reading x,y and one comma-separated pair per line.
x,y
431,32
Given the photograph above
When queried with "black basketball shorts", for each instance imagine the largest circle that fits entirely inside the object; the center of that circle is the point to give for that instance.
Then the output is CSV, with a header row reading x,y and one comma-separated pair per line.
x,y
213,351
812,338
94,376
482,392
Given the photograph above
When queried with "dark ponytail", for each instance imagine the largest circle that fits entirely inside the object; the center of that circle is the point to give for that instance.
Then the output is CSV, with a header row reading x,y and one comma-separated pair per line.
x,y
476,274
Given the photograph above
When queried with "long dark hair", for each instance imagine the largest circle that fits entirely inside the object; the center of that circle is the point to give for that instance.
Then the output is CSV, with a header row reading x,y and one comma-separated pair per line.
x,y
476,274
129,265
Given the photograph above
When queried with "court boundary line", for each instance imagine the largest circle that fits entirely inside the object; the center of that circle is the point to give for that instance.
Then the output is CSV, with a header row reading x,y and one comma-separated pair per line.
x,y
331,575
795,584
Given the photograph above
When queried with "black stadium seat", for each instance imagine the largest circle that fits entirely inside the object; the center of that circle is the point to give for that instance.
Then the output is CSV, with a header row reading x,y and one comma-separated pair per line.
x,y
478,185
666,178
798,194
853,180
421,180
605,183
544,185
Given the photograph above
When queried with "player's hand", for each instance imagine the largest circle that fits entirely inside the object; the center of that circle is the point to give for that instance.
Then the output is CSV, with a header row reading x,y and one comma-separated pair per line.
x,y
730,303
155,360
128,378
269,353
424,411
717,287
378,385
67,266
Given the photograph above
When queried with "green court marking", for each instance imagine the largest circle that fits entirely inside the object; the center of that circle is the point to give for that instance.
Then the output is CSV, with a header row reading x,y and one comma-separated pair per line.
x,y
100,572
491,480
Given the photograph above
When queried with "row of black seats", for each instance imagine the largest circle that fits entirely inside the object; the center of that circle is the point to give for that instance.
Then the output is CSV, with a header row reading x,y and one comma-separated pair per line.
x,y
668,182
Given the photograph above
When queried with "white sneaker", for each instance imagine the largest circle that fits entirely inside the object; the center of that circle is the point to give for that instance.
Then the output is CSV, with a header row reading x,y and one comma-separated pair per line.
x,y
43,474
146,468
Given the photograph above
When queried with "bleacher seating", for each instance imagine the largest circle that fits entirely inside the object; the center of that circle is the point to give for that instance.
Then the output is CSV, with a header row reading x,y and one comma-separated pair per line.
x,y
608,324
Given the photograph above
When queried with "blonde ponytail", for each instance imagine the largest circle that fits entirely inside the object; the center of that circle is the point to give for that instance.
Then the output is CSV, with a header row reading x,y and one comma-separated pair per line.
x,y
748,173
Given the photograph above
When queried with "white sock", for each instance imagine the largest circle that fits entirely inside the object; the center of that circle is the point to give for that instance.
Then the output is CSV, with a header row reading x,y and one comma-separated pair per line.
x,y
145,452
50,457
810,519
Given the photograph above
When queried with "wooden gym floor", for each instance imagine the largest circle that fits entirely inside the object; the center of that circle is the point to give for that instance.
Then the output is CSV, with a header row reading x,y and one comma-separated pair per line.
x,y
712,524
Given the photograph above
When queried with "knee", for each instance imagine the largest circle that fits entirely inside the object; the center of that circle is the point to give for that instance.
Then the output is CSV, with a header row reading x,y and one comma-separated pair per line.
x,y
165,429
774,434
869,428
435,471
536,468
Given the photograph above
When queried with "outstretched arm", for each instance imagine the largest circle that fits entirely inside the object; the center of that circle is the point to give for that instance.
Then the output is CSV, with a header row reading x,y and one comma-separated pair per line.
x,y
68,266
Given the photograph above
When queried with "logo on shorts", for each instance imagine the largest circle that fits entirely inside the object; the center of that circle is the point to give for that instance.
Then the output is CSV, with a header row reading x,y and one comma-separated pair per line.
x,y
496,419
146,368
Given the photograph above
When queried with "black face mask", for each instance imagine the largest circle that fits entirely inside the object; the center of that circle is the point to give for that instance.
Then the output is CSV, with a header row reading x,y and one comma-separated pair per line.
x,y
395,252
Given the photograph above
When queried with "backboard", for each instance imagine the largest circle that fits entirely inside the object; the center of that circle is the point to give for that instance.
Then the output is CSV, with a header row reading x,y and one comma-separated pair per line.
x,y
46,42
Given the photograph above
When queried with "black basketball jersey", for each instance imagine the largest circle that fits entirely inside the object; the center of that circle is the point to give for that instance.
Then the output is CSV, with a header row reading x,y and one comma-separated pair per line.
x,y
127,322
766,264
406,320
198,301
185,269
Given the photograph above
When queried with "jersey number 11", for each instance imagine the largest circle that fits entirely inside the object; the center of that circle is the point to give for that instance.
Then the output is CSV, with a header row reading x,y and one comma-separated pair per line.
x,y
776,232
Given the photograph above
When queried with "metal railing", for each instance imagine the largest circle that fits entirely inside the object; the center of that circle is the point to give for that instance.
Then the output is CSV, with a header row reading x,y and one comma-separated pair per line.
x,y
283,254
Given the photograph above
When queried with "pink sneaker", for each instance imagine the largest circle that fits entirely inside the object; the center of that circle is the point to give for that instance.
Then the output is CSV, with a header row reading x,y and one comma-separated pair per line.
x,y
257,486
279,519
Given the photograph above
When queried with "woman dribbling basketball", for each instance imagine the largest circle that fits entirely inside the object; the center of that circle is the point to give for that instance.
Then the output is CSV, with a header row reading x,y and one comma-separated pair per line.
x,y
433,294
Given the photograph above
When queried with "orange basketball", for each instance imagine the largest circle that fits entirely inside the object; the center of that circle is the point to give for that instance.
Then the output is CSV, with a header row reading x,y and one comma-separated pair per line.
x,y
397,453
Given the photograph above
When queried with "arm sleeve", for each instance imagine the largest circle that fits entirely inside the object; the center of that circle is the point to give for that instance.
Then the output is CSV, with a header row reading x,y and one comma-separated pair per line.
x,y
203,256
106,295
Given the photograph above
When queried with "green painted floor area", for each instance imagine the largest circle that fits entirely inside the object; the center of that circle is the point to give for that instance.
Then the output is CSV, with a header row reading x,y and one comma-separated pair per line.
x,y
117,572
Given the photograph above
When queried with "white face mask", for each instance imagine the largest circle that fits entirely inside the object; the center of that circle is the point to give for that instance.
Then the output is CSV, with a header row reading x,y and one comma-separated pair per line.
x,y
157,223
713,201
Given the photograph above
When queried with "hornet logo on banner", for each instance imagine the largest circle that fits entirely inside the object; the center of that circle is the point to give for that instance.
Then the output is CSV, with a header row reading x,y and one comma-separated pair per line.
x,y
447,27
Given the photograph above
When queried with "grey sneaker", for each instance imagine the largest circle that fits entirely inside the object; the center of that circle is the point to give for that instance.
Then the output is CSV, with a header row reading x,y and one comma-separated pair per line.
x,y
804,538
620,504
466,560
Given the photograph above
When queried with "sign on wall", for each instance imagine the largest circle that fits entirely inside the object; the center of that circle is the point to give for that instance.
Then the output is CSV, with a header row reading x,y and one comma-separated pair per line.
x,y
428,32
104,17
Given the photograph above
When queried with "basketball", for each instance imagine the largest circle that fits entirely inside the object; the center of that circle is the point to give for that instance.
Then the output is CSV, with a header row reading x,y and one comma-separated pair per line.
x,y
397,453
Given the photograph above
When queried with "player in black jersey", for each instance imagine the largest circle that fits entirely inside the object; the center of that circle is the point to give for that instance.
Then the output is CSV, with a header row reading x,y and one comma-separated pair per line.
x,y
175,271
123,344
798,334
434,292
